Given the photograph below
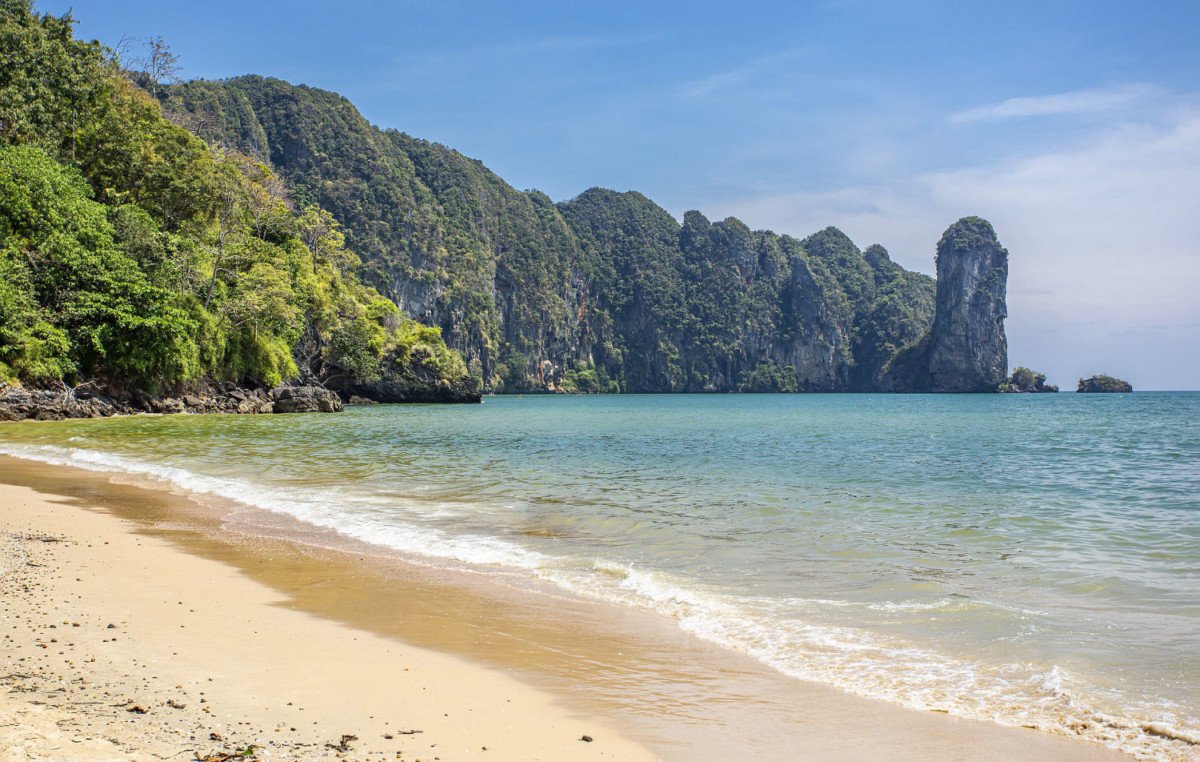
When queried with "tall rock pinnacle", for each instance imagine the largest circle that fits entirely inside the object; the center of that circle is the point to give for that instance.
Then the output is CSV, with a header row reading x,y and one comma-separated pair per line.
x,y
968,351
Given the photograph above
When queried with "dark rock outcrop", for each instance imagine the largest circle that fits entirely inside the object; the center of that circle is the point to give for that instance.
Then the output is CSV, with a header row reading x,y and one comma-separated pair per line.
x,y
408,382
968,351
411,377
399,390
18,403
1102,384
305,399
1026,381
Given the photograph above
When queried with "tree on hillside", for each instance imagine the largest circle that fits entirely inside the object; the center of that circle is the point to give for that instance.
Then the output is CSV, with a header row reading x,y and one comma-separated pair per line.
x,y
160,65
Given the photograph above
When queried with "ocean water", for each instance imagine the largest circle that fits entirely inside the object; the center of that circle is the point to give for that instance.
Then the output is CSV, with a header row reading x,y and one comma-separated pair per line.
x,y
1031,560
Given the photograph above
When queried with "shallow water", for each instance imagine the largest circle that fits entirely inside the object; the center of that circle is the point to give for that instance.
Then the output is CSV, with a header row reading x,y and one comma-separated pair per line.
x,y
1026,559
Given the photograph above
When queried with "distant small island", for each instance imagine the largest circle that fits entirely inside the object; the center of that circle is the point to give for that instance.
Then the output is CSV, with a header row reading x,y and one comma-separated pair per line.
x,y
1104,384
1026,381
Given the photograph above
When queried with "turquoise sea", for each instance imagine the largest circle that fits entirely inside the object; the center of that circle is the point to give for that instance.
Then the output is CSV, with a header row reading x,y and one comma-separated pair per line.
x,y
1032,560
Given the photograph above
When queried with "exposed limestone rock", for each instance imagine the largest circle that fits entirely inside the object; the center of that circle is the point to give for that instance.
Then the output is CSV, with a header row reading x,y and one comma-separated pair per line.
x,y
18,403
305,399
817,351
968,351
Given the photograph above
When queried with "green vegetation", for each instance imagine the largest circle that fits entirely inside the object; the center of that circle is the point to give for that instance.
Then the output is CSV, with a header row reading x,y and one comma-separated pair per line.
x,y
769,377
1103,383
133,253
588,380
160,234
606,281
496,269
897,313
1026,381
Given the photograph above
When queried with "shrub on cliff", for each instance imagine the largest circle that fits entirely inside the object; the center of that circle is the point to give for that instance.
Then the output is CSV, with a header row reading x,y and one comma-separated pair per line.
x,y
587,380
769,377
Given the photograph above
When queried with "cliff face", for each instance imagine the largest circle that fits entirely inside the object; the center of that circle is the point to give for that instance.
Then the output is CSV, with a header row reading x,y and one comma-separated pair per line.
x,y
968,350
447,240
605,291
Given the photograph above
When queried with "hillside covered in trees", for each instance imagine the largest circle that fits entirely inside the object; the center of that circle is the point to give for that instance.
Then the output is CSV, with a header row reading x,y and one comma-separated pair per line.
x,y
135,255
161,235
603,292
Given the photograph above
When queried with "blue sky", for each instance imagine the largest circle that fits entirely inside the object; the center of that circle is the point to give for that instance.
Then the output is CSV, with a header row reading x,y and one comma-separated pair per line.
x,y
1074,127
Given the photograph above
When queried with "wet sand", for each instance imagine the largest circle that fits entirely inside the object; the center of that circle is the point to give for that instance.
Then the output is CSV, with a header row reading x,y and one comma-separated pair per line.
x,y
336,639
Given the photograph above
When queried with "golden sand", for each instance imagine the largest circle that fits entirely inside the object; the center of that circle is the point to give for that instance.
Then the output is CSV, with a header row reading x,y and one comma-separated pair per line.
x,y
290,647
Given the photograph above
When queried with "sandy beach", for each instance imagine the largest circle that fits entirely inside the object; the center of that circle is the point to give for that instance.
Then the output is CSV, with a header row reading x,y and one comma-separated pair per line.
x,y
118,647
216,647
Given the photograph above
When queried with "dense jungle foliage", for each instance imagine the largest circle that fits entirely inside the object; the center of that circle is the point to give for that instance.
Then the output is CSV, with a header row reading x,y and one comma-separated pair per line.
x,y
256,231
133,253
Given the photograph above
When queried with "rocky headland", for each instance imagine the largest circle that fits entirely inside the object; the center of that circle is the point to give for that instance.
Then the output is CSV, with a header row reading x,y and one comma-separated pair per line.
x,y
410,272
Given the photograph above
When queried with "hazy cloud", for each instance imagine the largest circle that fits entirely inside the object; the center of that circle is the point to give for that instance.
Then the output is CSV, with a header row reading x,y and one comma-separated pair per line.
x,y
1076,102
735,76
569,42
1104,238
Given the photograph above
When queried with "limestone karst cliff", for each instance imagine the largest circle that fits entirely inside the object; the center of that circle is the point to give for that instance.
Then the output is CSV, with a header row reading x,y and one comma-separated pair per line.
x,y
966,349
606,291
265,233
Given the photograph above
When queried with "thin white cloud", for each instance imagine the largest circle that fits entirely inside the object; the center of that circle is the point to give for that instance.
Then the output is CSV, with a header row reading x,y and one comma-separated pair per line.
x,y
722,80
1075,103
571,42
718,81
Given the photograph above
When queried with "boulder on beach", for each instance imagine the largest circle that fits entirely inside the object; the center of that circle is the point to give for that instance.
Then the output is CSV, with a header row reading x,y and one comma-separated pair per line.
x,y
305,399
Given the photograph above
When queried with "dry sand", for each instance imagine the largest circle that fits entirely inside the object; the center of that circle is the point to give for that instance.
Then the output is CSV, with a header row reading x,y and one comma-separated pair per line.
x,y
289,648
117,646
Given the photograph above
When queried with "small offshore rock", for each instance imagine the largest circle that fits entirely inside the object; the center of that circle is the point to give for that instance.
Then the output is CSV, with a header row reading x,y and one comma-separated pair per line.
x,y
1026,381
1104,384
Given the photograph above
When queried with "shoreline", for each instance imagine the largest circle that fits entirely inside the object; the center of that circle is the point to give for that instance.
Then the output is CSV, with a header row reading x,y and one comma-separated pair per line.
x,y
20,403
645,678
124,647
